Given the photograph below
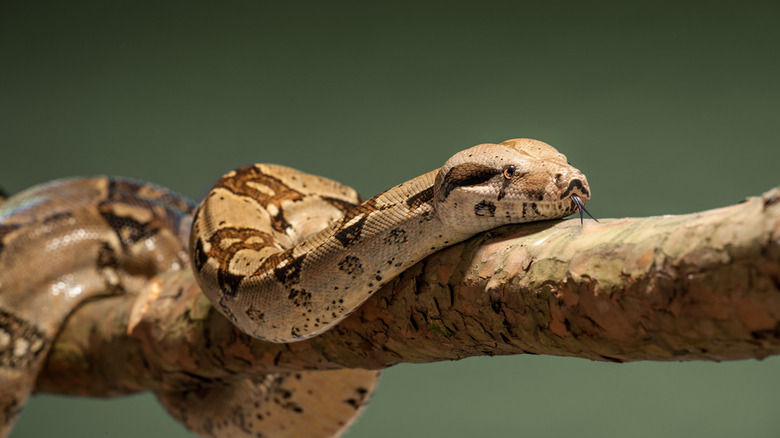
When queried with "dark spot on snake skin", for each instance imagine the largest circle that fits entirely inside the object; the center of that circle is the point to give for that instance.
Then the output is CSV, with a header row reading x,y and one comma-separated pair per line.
x,y
467,175
420,198
255,314
293,407
106,257
63,215
351,266
355,403
341,204
290,273
300,298
396,236
535,194
378,278
225,309
485,208
534,208
575,183
127,229
350,235
279,223
199,256
229,282
524,212
427,216
25,341
501,192
121,190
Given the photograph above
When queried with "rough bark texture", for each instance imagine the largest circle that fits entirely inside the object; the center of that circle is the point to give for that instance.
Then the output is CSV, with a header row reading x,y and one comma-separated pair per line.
x,y
703,286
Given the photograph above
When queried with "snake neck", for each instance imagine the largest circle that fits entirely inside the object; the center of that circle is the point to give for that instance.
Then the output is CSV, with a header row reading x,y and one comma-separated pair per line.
x,y
392,230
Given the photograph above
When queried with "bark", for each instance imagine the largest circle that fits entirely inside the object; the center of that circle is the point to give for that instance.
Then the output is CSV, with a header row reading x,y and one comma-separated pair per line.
x,y
702,286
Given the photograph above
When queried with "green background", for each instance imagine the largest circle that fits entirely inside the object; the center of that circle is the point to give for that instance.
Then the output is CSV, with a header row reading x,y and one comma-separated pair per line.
x,y
668,107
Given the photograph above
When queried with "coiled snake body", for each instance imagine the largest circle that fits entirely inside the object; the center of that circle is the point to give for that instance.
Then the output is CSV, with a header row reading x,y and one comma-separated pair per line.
x,y
282,254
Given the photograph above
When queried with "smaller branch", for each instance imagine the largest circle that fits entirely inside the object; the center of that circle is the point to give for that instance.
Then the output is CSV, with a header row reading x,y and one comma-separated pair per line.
x,y
702,286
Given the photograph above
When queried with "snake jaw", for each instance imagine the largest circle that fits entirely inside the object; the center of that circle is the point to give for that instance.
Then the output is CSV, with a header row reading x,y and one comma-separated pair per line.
x,y
581,207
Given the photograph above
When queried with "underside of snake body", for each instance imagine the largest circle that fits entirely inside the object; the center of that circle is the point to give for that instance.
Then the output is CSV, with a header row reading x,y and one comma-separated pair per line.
x,y
283,254
284,295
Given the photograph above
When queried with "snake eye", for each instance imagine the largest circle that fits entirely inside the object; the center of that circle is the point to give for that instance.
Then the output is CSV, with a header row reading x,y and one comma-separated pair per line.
x,y
509,172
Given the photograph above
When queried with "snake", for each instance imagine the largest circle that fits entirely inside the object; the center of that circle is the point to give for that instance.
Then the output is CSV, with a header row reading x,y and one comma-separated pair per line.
x,y
282,254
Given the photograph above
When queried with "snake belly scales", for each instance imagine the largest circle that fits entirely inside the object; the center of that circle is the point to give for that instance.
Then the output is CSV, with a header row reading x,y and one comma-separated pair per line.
x,y
282,254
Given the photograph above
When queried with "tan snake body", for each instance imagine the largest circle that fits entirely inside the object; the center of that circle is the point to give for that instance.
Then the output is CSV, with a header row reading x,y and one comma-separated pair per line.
x,y
282,254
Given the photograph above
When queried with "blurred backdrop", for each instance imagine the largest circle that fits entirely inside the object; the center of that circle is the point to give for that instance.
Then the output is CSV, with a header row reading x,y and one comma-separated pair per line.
x,y
669,107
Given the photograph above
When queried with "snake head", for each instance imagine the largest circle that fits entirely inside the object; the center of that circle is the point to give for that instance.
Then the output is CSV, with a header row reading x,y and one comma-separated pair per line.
x,y
519,180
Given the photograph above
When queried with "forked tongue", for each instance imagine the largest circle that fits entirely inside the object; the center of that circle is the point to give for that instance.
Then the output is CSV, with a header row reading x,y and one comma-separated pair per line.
x,y
581,208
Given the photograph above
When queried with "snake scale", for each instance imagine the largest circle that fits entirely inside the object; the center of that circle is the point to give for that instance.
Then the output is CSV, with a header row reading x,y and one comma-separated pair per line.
x,y
282,254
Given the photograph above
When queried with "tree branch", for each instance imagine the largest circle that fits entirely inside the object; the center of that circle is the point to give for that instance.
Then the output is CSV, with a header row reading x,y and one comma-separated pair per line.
x,y
702,286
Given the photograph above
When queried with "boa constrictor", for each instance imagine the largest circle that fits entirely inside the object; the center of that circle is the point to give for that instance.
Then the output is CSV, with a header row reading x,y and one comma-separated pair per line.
x,y
282,254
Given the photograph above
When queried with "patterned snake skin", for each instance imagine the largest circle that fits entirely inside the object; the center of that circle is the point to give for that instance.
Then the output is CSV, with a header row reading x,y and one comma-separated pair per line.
x,y
282,254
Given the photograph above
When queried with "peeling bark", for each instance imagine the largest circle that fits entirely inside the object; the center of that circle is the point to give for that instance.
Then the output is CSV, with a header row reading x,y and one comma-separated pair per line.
x,y
702,286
